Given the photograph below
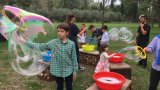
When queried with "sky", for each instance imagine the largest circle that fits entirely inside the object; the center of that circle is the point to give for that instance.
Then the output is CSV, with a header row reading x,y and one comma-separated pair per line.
x,y
117,2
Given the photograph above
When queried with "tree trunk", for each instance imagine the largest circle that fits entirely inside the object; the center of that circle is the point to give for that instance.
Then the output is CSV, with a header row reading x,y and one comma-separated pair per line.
x,y
103,4
152,23
102,17
159,22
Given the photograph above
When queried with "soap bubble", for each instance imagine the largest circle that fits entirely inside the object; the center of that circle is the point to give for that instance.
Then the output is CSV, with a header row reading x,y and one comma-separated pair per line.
x,y
16,22
123,34
114,34
135,53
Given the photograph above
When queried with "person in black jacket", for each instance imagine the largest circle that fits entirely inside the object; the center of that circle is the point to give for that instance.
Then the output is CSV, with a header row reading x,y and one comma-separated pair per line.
x,y
73,34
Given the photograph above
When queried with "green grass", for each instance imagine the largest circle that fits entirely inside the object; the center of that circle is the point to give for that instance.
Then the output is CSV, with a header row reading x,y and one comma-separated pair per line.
x,y
10,80
34,85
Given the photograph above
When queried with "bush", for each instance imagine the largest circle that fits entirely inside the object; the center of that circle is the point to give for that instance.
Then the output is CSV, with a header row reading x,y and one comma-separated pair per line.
x,y
107,17
43,11
64,12
56,14
111,16
81,15
95,15
77,13
86,16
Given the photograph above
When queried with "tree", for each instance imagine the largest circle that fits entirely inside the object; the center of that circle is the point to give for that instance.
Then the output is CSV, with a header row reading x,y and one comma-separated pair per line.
x,y
112,6
86,4
154,6
102,8
151,9
95,14
71,4
122,8
95,6
21,3
131,10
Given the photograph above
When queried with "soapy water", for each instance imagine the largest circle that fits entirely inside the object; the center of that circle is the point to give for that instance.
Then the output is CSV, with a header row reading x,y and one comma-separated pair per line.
x,y
109,80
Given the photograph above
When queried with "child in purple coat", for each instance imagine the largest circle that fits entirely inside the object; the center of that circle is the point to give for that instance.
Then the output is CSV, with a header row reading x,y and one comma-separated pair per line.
x,y
154,47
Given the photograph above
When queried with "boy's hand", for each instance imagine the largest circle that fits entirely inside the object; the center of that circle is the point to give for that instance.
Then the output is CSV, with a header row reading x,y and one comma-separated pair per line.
x,y
74,76
146,49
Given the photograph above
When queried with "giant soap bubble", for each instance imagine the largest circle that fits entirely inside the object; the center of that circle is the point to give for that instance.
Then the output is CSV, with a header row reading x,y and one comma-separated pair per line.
x,y
16,22
114,34
126,35
123,34
135,53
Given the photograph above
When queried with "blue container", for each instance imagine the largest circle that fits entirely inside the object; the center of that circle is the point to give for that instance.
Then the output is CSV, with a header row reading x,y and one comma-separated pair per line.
x,y
46,56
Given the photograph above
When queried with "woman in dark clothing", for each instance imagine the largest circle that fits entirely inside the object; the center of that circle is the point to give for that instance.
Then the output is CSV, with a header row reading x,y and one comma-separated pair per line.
x,y
73,33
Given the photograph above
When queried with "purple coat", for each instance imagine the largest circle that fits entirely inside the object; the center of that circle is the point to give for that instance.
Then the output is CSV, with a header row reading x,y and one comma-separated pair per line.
x,y
154,47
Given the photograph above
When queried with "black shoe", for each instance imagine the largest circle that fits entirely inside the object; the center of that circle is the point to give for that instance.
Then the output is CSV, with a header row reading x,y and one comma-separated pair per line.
x,y
138,64
144,67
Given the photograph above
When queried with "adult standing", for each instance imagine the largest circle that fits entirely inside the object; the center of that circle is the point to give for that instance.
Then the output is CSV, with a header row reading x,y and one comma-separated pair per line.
x,y
142,37
73,34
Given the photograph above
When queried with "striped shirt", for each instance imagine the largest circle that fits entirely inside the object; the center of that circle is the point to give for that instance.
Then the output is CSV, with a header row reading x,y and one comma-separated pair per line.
x,y
64,59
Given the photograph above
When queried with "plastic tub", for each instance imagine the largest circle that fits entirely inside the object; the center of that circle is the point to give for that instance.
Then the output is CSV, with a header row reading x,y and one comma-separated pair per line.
x,y
118,58
115,81
46,56
88,48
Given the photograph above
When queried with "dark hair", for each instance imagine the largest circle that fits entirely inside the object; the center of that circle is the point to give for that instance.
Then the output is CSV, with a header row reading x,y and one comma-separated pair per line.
x,y
48,49
102,48
143,16
64,26
91,26
84,24
104,27
69,17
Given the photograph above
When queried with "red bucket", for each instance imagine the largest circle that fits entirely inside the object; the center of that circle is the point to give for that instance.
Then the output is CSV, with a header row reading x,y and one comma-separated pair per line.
x,y
115,83
118,58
